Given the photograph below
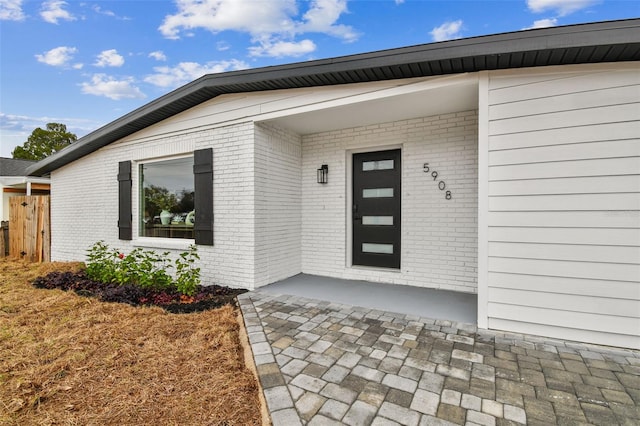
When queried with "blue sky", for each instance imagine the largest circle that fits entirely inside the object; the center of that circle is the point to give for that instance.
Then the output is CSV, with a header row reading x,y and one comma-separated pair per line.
x,y
86,63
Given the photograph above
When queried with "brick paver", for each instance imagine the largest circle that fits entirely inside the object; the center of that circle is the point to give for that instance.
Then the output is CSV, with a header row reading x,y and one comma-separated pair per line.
x,y
325,363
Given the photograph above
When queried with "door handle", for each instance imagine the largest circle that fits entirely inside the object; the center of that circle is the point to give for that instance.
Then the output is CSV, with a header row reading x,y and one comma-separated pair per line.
x,y
355,213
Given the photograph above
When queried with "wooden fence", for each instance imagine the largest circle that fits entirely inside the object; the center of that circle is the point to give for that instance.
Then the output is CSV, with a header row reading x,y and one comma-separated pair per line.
x,y
29,228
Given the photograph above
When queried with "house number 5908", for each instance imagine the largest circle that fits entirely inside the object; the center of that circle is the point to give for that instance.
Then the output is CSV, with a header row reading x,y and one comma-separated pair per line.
x,y
441,184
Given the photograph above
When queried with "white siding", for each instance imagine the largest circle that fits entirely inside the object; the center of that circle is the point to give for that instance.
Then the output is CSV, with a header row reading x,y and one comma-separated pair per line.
x,y
278,204
439,236
564,203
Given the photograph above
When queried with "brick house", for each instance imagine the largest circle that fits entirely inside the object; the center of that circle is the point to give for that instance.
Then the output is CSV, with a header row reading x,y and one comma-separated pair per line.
x,y
506,165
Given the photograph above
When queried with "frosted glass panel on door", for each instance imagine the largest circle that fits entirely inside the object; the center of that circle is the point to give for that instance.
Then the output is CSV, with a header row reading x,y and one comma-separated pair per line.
x,y
377,193
377,248
377,220
367,166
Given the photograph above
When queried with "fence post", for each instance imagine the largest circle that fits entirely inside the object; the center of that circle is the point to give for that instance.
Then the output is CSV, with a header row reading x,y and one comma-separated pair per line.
x,y
45,230
4,238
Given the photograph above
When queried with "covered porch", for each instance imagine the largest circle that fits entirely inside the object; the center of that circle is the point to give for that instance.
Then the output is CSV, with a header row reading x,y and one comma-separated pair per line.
x,y
432,123
408,300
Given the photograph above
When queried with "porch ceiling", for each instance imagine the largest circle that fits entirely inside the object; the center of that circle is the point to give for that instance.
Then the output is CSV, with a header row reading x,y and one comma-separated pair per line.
x,y
21,181
383,109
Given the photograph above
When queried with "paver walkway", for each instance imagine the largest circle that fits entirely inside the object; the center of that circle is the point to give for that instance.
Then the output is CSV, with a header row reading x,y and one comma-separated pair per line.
x,y
321,363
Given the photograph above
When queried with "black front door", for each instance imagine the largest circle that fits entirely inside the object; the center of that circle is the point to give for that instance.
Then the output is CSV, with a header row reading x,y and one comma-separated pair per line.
x,y
376,209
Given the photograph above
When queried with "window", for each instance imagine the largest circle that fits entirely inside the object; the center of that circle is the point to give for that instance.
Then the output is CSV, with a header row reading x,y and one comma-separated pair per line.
x,y
368,166
167,196
182,186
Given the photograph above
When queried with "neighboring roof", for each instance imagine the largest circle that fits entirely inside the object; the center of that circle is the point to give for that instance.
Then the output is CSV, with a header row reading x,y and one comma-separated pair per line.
x,y
14,167
611,41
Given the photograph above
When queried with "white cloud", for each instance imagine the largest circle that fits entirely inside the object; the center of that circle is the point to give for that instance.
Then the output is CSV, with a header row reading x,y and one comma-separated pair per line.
x,y
11,10
20,124
59,57
399,1
270,23
109,58
322,16
283,48
53,10
561,7
24,123
109,13
15,129
447,31
236,15
543,23
158,55
102,11
222,46
185,72
104,85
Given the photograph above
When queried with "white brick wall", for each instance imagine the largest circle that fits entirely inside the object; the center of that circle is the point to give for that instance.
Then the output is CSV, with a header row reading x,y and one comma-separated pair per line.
x,y
84,206
85,200
272,220
278,199
439,236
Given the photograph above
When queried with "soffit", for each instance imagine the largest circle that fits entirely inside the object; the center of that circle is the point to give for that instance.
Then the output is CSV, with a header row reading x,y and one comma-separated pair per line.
x,y
423,102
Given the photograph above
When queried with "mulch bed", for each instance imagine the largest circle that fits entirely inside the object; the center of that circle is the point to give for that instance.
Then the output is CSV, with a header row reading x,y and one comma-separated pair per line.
x,y
205,298
72,360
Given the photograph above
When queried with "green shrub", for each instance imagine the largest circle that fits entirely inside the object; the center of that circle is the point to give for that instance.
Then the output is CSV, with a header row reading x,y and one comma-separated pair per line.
x,y
144,268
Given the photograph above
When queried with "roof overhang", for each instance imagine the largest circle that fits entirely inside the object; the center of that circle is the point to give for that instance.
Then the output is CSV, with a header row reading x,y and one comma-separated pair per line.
x,y
612,41
420,99
21,180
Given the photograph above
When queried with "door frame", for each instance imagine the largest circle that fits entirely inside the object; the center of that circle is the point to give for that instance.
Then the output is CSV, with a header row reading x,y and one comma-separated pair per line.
x,y
349,202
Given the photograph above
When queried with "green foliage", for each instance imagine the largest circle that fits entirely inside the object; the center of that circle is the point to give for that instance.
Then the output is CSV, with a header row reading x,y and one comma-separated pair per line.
x,y
188,276
144,268
158,198
102,263
186,202
42,143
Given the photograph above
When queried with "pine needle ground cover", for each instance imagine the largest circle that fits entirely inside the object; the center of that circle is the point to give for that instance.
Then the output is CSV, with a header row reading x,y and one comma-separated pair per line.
x,y
68,359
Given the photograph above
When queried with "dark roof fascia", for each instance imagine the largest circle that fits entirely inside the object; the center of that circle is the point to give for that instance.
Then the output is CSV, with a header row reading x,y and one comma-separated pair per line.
x,y
600,42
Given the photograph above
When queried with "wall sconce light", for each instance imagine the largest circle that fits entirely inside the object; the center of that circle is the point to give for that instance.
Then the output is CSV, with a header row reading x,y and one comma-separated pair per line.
x,y
323,174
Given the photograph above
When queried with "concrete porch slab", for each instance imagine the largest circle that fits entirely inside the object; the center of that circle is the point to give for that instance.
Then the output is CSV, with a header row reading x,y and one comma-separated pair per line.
x,y
408,300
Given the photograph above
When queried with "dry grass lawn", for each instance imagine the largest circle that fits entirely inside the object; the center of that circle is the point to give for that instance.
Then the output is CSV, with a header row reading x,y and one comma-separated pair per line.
x,y
71,360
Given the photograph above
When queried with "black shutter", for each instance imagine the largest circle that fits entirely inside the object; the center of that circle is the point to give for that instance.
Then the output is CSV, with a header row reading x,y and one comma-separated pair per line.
x,y
124,200
203,183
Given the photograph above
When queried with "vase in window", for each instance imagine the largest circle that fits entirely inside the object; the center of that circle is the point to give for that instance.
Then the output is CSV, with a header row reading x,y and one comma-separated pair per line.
x,y
165,217
191,218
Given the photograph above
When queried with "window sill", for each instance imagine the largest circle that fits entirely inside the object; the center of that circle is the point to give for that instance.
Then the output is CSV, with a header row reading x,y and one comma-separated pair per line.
x,y
163,243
